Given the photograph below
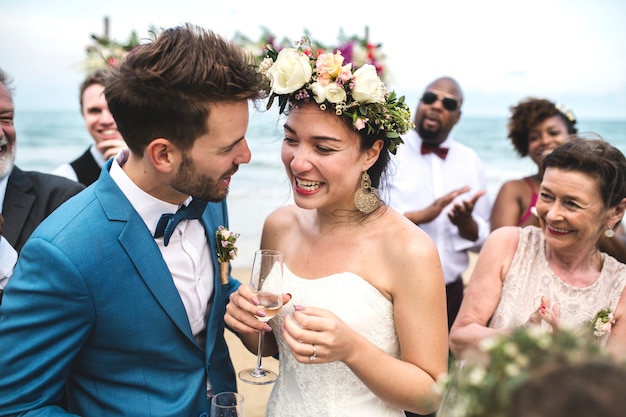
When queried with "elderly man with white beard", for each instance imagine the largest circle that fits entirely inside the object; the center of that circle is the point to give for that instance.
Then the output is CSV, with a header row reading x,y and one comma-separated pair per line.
x,y
26,197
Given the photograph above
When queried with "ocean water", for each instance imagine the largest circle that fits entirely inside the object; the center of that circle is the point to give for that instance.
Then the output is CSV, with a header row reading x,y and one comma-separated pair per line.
x,y
47,139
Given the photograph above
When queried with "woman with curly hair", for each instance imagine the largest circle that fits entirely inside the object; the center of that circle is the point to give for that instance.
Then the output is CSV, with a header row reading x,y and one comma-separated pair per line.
x,y
536,128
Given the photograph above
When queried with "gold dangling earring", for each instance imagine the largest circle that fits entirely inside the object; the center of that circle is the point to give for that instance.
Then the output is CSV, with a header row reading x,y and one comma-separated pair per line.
x,y
366,197
609,232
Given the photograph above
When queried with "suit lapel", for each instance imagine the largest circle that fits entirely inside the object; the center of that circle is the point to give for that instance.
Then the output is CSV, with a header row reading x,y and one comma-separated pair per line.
x,y
143,251
146,257
213,217
17,204
209,218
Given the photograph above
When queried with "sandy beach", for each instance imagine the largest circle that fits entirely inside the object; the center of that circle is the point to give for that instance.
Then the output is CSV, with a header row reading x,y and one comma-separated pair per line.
x,y
255,396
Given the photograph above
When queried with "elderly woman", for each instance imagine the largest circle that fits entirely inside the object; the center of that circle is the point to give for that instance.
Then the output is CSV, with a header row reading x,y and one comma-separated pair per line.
x,y
555,274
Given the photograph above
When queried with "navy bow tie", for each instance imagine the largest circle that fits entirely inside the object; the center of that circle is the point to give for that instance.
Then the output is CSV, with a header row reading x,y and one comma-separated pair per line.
x,y
437,150
168,221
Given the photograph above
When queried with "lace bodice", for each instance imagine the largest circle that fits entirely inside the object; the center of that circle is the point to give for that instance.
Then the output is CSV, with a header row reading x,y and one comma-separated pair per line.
x,y
332,390
530,277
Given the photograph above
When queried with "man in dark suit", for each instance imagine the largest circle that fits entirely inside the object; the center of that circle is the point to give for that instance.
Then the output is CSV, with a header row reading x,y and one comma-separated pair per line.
x,y
130,317
30,197
26,197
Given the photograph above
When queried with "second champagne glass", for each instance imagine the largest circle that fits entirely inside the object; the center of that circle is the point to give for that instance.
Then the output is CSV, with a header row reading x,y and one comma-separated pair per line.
x,y
267,280
227,404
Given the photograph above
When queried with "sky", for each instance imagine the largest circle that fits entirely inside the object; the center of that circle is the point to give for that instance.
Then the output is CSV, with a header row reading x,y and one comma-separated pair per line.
x,y
500,51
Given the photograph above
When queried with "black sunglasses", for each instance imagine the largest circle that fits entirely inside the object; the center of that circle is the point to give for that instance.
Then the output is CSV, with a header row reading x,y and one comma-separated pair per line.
x,y
449,104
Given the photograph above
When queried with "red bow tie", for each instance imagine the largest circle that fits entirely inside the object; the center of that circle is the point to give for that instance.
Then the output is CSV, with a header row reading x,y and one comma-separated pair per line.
x,y
439,151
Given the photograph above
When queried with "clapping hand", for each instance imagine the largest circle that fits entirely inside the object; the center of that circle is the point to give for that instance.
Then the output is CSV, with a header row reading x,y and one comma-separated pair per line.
x,y
546,314
433,211
461,216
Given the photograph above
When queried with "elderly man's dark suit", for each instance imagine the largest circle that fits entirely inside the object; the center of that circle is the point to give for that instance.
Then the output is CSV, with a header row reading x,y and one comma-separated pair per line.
x,y
30,197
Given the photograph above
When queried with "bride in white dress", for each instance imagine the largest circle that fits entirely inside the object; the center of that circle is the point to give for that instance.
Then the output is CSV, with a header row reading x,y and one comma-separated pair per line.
x,y
363,331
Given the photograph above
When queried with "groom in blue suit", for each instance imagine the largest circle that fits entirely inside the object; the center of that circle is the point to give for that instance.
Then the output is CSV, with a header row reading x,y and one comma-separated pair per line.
x,y
104,309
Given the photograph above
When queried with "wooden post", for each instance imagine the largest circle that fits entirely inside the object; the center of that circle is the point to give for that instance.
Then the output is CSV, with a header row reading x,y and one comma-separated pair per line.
x,y
106,28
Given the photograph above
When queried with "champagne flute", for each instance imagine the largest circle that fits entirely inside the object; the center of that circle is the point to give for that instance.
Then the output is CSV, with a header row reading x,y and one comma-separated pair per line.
x,y
227,404
266,279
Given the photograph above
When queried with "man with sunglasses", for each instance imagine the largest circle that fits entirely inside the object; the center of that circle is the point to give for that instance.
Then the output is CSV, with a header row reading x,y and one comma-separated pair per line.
x,y
439,184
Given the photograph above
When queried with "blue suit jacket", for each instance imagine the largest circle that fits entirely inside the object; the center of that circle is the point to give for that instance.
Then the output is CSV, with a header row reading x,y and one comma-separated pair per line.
x,y
92,306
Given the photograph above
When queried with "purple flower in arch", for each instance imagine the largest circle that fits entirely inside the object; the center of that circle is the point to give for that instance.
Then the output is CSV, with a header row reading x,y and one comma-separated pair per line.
x,y
347,50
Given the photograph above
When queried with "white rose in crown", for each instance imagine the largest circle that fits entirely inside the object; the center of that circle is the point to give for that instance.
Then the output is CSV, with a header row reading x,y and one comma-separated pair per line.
x,y
335,93
290,72
319,92
368,88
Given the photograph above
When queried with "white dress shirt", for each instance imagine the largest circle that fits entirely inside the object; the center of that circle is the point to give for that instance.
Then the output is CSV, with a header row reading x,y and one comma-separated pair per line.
x,y
416,181
187,255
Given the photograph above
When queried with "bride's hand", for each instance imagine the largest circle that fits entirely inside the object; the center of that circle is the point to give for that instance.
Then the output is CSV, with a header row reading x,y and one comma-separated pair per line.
x,y
310,326
241,311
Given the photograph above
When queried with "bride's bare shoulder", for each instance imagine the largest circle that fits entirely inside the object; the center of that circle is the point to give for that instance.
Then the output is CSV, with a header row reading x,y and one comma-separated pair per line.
x,y
402,236
281,216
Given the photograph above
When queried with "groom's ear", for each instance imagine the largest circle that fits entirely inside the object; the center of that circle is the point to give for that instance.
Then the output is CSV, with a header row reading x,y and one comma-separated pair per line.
x,y
163,155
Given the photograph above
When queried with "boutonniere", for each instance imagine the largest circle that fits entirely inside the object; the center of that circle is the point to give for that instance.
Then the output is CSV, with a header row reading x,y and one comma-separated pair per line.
x,y
602,322
226,250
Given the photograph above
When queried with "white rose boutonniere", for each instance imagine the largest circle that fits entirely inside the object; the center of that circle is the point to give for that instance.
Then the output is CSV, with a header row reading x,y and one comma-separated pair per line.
x,y
602,323
290,72
226,250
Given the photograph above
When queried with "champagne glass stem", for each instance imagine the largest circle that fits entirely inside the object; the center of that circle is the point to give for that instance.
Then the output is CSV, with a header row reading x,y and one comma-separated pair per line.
x,y
259,357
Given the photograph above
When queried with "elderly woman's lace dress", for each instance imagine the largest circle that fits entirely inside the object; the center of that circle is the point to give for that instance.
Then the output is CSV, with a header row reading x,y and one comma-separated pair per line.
x,y
530,278
332,389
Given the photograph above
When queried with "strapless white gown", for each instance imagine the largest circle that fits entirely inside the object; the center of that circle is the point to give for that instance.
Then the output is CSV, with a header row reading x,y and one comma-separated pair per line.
x,y
332,390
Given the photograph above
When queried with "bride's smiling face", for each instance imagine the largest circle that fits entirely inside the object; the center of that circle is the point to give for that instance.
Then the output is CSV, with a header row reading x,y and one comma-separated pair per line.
x,y
322,158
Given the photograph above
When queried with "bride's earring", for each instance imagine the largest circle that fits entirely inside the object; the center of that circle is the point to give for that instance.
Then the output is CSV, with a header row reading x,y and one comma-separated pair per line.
x,y
609,232
366,197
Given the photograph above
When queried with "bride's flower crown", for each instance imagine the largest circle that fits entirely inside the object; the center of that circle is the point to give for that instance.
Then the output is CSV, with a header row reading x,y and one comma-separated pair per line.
x,y
303,74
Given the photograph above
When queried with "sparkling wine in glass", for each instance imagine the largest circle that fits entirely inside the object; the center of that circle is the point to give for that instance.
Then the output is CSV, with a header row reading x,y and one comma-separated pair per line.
x,y
267,280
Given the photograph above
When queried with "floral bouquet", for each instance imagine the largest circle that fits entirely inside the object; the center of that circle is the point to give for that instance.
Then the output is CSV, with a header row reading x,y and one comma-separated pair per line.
x,y
361,51
482,384
107,52
226,250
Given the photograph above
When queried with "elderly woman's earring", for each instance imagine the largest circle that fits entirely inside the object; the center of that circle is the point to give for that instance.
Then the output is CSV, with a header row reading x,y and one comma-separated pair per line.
x,y
609,232
366,197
